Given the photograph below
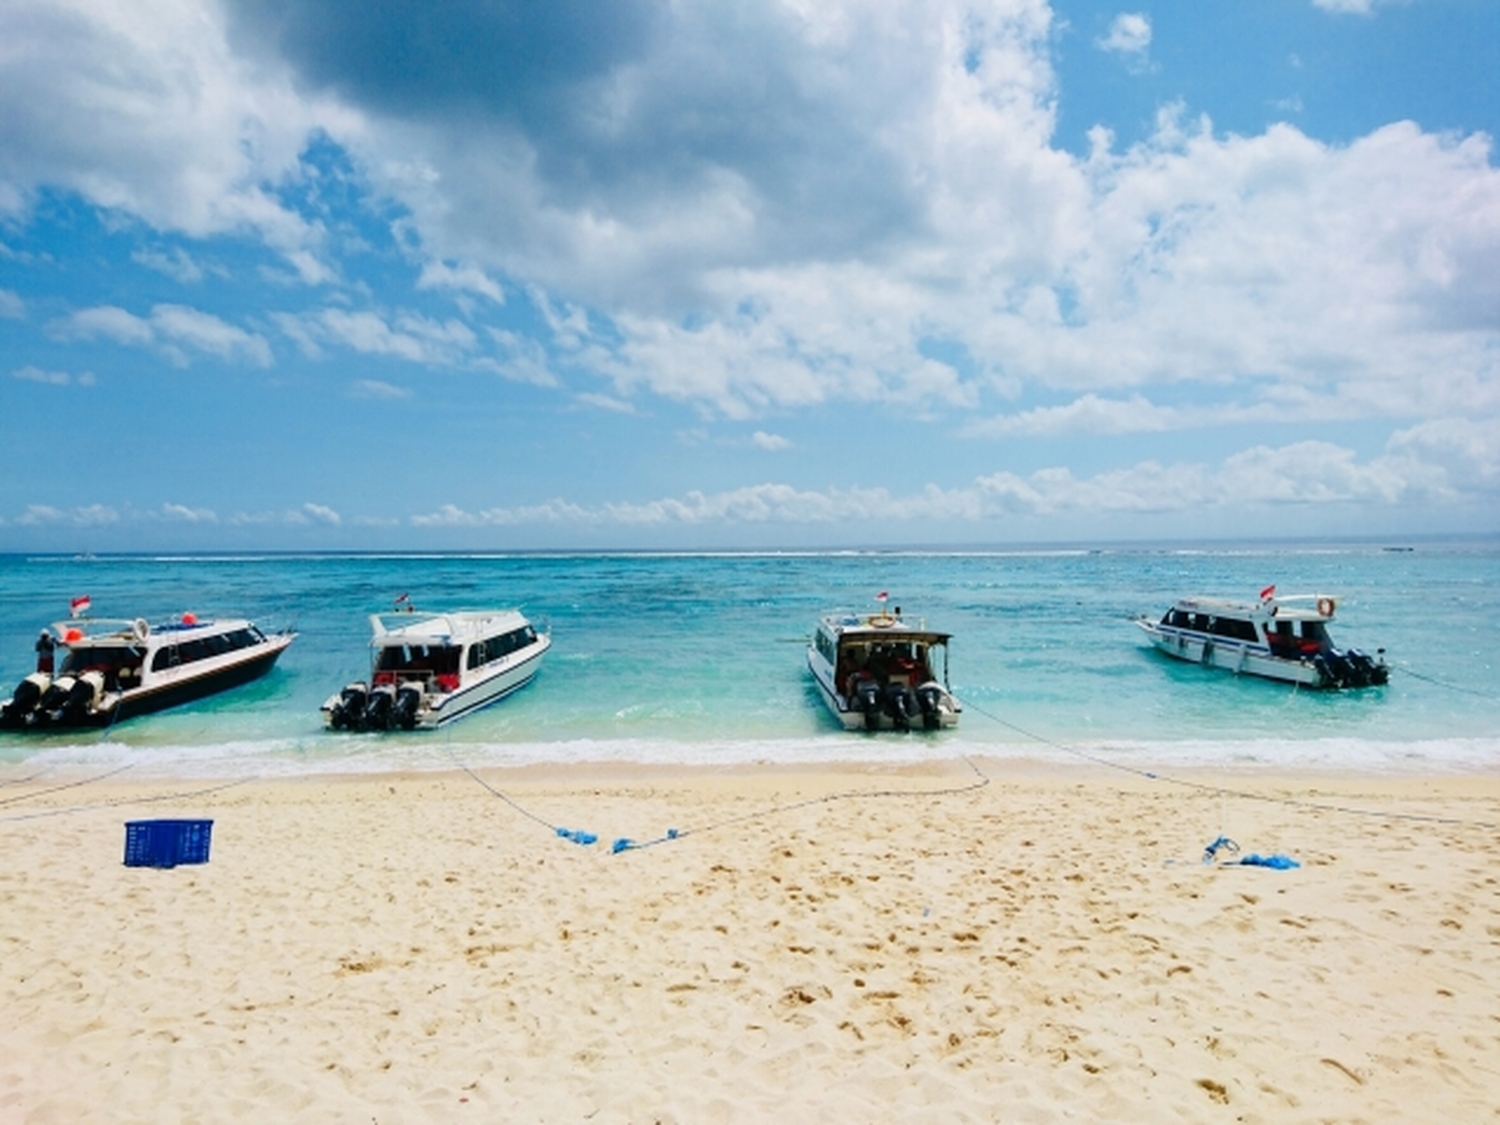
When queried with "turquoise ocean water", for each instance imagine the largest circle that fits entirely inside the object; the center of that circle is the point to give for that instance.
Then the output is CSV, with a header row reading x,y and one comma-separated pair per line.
x,y
699,658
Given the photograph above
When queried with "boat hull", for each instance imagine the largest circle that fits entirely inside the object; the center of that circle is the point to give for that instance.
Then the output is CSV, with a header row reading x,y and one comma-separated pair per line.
x,y
480,695
438,709
166,694
1239,657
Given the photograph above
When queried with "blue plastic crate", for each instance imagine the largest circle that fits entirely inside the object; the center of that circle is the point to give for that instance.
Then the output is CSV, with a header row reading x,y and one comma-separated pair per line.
x,y
166,843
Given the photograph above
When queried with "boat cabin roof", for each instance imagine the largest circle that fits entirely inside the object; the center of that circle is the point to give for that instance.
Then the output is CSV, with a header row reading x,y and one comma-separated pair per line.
x,y
457,628
873,627
1293,607
119,630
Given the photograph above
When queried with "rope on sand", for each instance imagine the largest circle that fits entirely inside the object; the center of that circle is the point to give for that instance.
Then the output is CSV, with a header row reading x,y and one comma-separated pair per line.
x,y
118,802
1223,790
625,843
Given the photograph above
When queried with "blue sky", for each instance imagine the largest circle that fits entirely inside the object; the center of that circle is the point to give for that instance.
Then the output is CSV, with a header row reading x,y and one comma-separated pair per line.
x,y
317,274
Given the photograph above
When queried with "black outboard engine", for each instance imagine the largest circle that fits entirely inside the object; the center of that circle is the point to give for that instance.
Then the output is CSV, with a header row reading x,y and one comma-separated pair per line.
x,y
23,702
1364,670
55,698
349,711
901,705
867,692
408,699
378,709
82,697
929,696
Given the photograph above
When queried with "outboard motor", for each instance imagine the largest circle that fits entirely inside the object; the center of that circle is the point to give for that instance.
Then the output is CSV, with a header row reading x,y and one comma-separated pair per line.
x,y
55,698
900,705
84,696
1365,670
27,695
408,699
378,709
1343,671
867,692
349,711
929,696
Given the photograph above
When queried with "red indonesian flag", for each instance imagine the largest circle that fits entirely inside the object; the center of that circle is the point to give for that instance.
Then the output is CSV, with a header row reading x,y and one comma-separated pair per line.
x,y
1268,592
880,597
79,605
402,598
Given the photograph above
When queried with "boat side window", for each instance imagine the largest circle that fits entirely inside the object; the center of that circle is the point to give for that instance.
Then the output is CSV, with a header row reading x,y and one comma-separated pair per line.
x,y
217,645
1233,627
1314,631
105,658
825,646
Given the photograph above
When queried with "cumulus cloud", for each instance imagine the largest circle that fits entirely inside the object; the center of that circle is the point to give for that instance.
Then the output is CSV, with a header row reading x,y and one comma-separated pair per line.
x,y
375,388
777,206
54,378
772,443
322,513
87,515
407,336
1357,7
1129,34
174,329
183,513
142,107
751,209
1308,474
11,305
176,263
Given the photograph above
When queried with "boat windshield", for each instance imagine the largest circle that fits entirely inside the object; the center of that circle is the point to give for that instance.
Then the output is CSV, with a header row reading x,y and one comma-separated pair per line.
x,y
903,662
101,658
426,659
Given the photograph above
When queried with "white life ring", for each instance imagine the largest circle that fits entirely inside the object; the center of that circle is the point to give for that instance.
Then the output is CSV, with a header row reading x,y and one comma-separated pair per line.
x,y
1326,606
140,628
882,620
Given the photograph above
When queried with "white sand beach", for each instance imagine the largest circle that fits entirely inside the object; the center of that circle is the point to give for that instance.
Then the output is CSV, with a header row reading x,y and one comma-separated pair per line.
x,y
1045,947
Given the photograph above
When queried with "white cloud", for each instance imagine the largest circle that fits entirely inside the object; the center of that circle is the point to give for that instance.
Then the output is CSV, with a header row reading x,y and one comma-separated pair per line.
x,y
142,107
1308,474
182,513
176,263
374,388
11,305
470,278
54,378
1129,34
87,515
169,327
1357,7
851,182
772,443
409,336
321,513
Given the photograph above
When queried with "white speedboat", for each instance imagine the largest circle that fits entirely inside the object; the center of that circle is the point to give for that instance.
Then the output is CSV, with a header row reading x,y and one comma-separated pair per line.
x,y
427,669
1279,638
112,670
876,671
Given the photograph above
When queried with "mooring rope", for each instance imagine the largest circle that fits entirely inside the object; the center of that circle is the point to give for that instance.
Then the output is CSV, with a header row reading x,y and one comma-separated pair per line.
x,y
64,785
1205,787
626,843
1405,671
121,801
